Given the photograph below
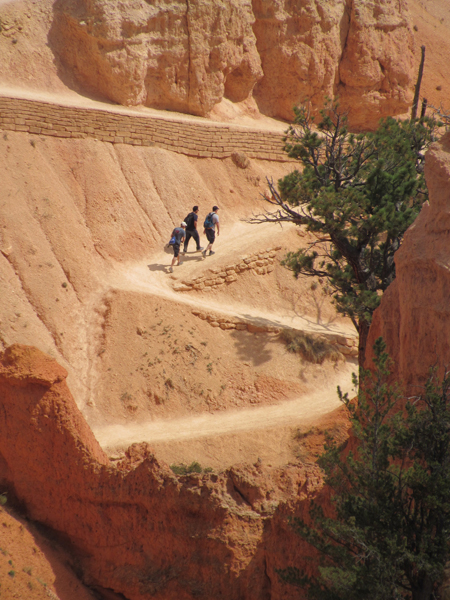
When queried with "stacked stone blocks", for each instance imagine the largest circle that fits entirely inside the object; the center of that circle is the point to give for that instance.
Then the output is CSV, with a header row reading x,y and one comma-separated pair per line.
x,y
259,262
198,139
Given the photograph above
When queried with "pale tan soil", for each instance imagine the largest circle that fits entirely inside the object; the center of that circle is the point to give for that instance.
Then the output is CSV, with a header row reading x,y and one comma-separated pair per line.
x,y
31,567
222,439
431,20
181,365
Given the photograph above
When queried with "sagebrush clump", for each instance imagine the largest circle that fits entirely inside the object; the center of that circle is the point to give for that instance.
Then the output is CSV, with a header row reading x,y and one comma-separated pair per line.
x,y
312,348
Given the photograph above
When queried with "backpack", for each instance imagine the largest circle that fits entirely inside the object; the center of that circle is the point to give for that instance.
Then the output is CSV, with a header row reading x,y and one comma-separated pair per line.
x,y
172,241
189,220
209,223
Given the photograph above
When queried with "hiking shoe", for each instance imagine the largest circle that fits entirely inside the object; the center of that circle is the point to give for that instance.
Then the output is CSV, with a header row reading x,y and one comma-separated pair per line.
x,y
200,249
204,253
211,253
170,269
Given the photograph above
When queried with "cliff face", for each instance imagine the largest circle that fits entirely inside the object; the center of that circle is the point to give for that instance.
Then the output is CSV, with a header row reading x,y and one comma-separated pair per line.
x,y
414,315
135,527
189,55
182,56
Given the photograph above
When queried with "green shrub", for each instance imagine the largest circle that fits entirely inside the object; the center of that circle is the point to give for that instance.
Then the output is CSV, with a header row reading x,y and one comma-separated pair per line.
x,y
182,469
312,348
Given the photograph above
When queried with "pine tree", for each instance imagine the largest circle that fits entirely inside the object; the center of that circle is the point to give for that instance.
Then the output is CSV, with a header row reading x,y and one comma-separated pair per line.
x,y
357,194
389,538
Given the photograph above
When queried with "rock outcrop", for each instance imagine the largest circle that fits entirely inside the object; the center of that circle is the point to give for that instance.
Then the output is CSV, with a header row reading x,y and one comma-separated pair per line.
x,y
375,70
136,528
414,315
187,55
182,56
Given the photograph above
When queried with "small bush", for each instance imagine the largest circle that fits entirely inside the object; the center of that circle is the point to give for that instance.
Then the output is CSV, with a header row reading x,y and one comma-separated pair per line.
x,y
240,159
300,434
182,469
312,348
3,499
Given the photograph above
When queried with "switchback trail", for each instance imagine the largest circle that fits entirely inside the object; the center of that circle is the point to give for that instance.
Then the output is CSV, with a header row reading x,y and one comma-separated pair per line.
x,y
149,277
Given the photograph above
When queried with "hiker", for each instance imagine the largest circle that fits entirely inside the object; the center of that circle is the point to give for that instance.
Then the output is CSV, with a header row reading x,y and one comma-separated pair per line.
x,y
210,223
178,235
191,229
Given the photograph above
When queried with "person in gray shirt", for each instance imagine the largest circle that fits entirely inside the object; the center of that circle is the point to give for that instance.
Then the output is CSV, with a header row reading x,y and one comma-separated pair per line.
x,y
210,224
179,233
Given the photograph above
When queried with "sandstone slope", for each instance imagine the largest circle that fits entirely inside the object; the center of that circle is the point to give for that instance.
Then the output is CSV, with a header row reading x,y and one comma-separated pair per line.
x,y
33,566
83,224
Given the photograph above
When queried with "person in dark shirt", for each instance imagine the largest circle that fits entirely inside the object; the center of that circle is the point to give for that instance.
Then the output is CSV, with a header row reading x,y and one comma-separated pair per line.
x,y
191,229
179,233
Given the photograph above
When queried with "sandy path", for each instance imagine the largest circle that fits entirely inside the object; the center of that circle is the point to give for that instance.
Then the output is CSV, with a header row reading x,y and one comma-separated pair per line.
x,y
71,98
302,410
143,277
239,239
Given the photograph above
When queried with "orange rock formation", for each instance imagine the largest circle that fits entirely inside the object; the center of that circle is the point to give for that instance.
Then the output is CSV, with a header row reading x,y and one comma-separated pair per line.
x,y
136,528
414,315
182,56
187,56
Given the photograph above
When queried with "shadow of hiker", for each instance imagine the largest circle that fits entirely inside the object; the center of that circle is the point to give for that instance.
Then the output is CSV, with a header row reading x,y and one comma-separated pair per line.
x,y
158,267
197,257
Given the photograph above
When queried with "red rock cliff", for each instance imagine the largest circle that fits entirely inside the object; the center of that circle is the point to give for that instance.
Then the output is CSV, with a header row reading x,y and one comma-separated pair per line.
x,y
136,528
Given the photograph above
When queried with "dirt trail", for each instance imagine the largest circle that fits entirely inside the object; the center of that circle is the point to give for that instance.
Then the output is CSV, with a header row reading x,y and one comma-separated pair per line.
x,y
294,412
150,277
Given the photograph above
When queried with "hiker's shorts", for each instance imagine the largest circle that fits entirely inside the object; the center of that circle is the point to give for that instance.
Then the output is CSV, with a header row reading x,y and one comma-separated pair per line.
x,y
176,250
211,235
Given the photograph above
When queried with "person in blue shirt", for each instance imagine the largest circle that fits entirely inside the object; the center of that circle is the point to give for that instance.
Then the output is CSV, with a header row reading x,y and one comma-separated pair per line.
x,y
179,233
211,222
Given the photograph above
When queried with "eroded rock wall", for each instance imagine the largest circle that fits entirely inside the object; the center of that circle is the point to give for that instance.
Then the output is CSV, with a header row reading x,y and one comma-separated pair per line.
x,y
300,44
187,55
183,55
414,315
375,71
136,528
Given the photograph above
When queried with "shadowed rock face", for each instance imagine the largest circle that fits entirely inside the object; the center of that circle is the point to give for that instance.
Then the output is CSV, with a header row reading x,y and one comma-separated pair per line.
x,y
187,55
135,527
414,315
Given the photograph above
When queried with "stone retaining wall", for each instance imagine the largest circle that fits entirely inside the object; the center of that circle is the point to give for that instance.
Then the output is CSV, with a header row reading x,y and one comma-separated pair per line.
x,y
347,346
258,262
204,140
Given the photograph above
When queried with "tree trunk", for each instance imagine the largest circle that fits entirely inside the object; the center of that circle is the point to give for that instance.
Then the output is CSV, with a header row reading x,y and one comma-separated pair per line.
x,y
424,108
417,89
363,330
425,591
